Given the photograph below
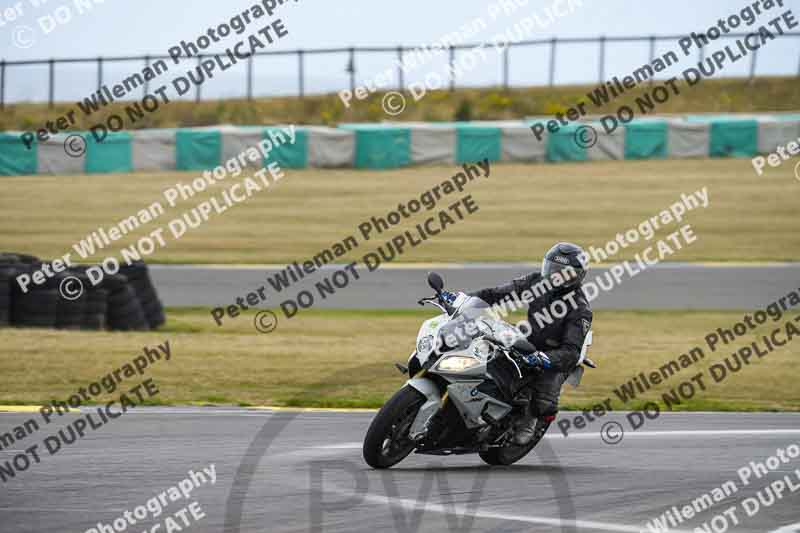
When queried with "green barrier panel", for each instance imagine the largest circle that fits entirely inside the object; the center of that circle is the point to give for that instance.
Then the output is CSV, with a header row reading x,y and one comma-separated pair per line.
x,y
197,149
383,148
646,140
112,154
562,146
15,158
736,138
288,155
476,144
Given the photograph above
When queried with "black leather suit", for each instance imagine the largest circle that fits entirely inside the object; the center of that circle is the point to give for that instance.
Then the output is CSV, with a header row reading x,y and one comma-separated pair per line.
x,y
562,340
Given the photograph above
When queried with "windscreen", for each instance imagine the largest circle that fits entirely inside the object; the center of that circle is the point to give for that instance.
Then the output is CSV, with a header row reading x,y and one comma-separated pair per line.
x,y
471,316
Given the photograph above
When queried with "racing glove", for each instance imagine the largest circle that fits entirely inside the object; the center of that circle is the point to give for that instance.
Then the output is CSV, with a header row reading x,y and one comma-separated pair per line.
x,y
537,360
447,297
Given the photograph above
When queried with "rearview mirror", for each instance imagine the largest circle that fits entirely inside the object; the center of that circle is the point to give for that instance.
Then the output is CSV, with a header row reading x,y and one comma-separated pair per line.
x,y
435,281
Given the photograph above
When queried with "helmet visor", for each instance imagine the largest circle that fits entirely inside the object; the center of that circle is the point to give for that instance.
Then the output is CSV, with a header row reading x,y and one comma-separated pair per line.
x,y
551,268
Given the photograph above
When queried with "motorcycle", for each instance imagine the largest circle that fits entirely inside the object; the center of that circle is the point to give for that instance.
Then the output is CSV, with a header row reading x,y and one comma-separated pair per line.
x,y
467,392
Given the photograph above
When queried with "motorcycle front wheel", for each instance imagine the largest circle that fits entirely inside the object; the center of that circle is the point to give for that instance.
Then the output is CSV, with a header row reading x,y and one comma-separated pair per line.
x,y
387,441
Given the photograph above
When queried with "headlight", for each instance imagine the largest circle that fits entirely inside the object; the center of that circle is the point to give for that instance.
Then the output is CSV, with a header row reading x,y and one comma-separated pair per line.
x,y
425,344
457,363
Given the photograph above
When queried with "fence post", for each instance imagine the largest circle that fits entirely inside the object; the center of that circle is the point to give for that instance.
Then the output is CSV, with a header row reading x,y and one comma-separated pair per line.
x,y
753,65
452,68
652,53
51,84
352,69
3,84
301,76
798,68
553,43
400,79
199,85
506,51
602,59
250,77
701,53
146,81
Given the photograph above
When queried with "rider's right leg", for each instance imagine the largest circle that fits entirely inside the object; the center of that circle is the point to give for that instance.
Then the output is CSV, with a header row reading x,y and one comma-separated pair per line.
x,y
543,409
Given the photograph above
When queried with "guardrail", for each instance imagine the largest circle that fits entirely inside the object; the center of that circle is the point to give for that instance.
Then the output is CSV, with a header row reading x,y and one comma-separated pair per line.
x,y
301,54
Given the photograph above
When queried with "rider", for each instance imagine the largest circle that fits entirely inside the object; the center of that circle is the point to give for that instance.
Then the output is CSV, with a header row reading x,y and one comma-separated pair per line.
x,y
559,343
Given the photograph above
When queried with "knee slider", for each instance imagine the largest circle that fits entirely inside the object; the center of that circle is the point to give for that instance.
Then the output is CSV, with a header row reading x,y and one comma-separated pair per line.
x,y
546,406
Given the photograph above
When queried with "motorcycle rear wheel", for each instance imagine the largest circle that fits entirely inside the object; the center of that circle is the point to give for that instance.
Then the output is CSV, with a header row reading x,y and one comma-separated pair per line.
x,y
387,441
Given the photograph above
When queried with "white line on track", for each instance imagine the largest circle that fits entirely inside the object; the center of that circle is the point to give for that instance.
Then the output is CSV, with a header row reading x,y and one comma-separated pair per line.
x,y
791,528
460,510
678,433
55,510
694,433
557,522
477,265
269,410
579,524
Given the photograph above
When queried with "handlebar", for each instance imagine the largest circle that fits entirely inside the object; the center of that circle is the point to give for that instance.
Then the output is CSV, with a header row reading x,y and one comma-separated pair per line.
x,y
437,301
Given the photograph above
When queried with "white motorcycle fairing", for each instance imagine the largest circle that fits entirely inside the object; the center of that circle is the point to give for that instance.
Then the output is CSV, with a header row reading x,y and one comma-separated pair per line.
x,y
470,402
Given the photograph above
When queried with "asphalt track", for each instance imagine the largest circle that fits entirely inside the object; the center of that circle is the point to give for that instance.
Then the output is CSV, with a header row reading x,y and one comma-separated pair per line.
x,y
664,286
284,471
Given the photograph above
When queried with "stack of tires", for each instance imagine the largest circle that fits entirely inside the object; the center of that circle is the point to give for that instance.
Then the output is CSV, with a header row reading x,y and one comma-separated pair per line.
x,y
125,301
94,316
37,307
139,279
87,311
124,309
6,279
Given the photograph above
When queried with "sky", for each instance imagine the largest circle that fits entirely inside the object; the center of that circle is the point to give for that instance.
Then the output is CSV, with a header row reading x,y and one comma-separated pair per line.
x,y
139,27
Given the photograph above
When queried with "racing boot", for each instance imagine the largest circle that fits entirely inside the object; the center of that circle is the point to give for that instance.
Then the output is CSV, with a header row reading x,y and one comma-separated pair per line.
x,y
531,429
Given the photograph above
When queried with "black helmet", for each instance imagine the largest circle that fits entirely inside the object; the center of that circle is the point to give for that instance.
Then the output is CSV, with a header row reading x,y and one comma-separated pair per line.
x,y
569,261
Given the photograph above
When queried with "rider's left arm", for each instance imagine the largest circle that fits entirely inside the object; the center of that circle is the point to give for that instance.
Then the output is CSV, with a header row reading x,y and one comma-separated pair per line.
x,y
495,295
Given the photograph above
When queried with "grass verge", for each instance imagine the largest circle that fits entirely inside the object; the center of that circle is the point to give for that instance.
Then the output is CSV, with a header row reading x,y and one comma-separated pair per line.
x,y
345,359
521,212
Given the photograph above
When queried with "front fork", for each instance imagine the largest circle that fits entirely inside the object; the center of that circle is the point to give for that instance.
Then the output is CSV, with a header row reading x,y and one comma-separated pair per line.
x,y
433,402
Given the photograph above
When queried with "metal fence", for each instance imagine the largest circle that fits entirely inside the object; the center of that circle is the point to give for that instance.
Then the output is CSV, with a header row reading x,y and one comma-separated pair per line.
x,y
552,43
